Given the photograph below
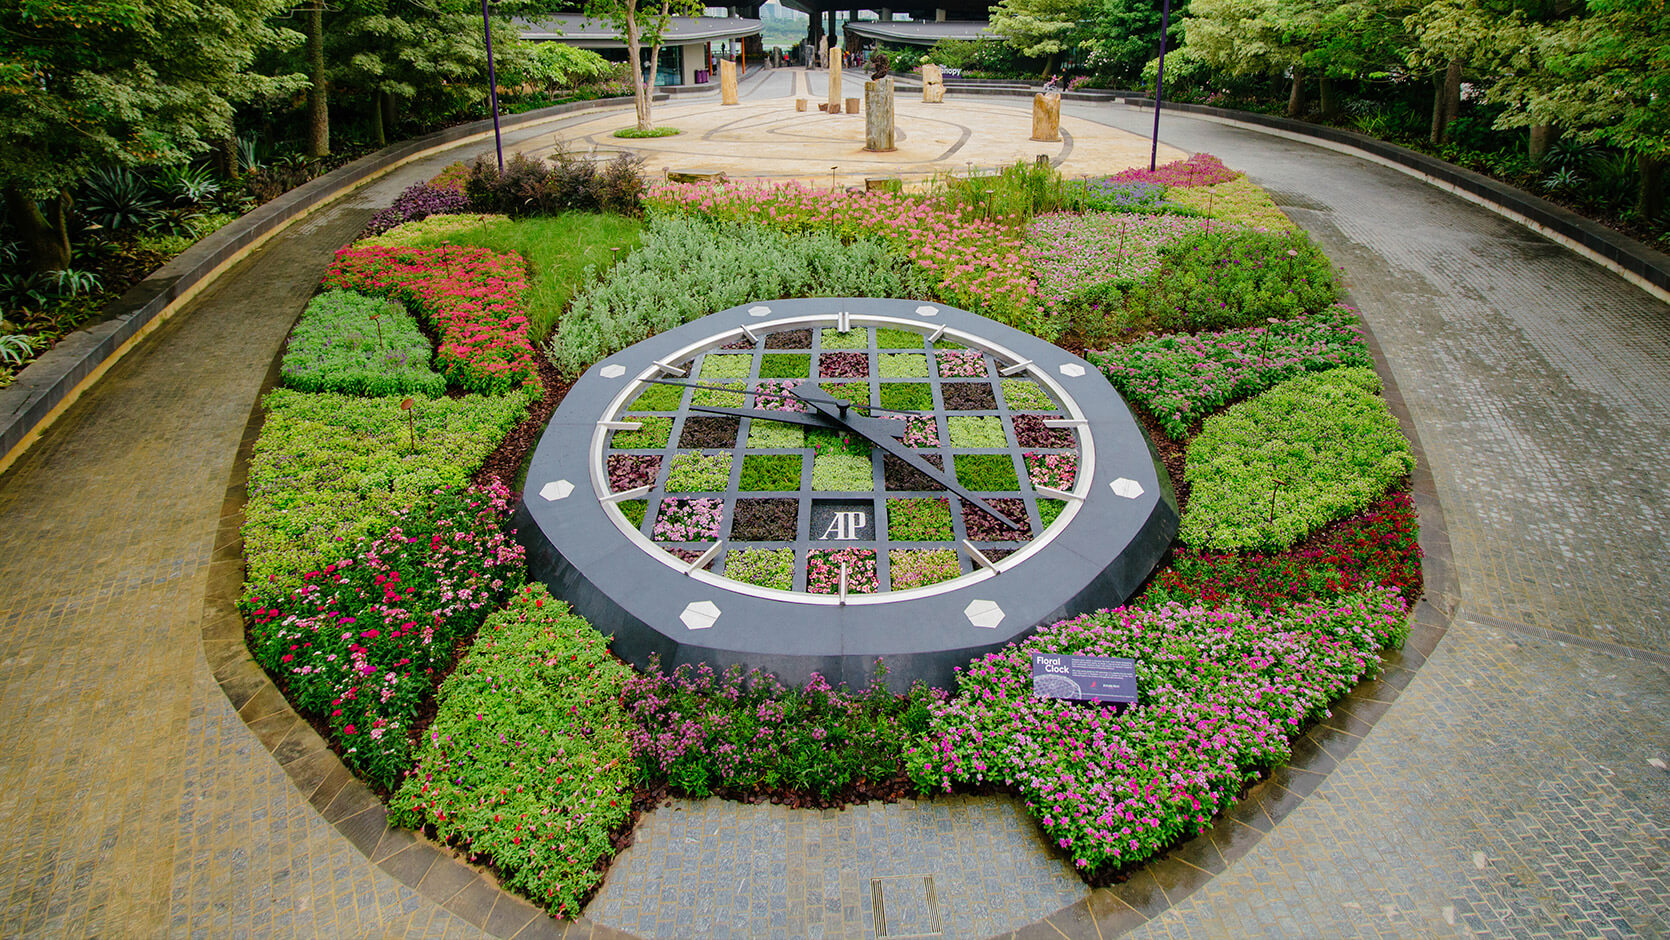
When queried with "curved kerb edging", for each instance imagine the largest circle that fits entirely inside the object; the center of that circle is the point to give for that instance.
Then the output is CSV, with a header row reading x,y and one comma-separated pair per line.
x,y
1635,262
51,383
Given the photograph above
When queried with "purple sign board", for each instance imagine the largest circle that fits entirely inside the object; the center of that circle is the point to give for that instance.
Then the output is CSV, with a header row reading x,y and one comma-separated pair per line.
x,y
1084,678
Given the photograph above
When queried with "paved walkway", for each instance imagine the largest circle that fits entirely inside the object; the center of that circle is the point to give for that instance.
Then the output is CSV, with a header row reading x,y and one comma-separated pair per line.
x,y
1507,792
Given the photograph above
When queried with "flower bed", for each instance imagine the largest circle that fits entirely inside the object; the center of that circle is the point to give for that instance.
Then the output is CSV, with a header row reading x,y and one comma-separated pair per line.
x,y
1179,377
471,297
1311,450
328,469
1202,169
1076,252
537,689
1222,692
418,201
703,732
358,345
360,642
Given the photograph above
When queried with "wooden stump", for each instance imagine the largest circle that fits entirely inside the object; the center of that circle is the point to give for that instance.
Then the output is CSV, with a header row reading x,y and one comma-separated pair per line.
x,y
1046,116
878,116
800,104
834,61
727,82
933,84
852,105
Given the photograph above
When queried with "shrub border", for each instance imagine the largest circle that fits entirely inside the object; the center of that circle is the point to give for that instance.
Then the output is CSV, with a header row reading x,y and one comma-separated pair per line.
x,y
50,384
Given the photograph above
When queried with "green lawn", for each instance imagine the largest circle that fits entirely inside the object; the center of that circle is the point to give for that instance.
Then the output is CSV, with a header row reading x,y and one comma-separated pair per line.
x,y
558,248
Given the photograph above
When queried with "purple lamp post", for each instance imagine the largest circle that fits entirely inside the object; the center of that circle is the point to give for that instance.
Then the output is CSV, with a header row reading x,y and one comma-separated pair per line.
x,y
1159,82
493,84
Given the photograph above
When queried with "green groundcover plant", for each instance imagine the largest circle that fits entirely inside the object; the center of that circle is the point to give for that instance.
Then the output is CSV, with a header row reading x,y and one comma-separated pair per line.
x,y
528,762
330,468
1220,280
702,732
1180,377
688,268
358,345
1222,693
1311,450
360,642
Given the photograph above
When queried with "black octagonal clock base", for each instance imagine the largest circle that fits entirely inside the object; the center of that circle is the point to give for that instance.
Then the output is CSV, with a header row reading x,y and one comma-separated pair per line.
x,y
809,485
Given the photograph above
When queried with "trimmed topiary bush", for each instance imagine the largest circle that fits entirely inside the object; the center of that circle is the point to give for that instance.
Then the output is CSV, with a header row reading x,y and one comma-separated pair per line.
x,y
1271,469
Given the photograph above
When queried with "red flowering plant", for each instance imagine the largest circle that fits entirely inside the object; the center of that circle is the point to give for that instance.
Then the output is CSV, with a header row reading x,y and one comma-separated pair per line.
x,y
361,642
470,297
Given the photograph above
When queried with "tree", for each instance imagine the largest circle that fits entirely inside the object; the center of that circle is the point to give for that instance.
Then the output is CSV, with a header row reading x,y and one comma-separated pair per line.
x,y
1040,28
89,83
1121,36
636,26
1252,37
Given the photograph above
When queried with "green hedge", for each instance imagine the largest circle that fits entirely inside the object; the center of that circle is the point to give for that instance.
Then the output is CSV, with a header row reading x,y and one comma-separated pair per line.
x,y
358,345
528,762
330,468
1221,280
688,268
1313,449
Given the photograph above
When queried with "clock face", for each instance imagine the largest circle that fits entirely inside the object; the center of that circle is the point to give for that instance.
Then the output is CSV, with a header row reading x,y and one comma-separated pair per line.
x,y
807,485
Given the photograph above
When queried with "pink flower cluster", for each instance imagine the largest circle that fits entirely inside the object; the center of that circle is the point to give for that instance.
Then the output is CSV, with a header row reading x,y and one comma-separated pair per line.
x,y
776,397
689,520
471,297
1202,169
823,570
960,363
361,642
1056,471
1222,691
980,264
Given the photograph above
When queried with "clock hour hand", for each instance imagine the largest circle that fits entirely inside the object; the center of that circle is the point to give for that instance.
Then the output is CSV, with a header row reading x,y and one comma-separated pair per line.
x,y
810,419
873,430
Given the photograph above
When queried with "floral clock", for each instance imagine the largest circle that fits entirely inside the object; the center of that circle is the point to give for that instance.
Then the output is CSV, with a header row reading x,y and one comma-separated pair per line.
x,y
810,485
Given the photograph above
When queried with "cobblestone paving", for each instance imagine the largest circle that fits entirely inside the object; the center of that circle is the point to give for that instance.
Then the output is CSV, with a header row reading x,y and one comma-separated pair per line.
x,y
714,869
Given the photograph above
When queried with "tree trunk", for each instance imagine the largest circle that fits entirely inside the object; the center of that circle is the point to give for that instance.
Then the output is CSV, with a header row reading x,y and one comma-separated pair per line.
x,y
46,239
1650,201
1296,96
1049,65
640,95
1330,102
1446,104
1543,136
226,157
318,104
377,122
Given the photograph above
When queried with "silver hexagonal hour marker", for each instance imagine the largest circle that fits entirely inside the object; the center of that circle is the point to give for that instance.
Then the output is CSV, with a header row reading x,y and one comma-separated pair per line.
x,y
612,372
759,310
927,311
1126,487
984,614
699,615
556,489
1072,370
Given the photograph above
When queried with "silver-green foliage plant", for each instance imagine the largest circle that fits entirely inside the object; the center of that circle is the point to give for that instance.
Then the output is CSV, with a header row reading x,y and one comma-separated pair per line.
x,y
1268,471
330,468
358,345
688,268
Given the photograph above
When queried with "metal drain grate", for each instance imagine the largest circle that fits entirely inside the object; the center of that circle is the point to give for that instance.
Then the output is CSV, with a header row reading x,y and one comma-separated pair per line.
x,y
905,906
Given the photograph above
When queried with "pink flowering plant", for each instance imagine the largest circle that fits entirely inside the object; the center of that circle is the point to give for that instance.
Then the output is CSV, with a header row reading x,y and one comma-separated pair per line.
x,y
470,297
823,570
960,363
1056,471
747,735
688,520
1180,378
1222,694
528,764
1202,169
362,641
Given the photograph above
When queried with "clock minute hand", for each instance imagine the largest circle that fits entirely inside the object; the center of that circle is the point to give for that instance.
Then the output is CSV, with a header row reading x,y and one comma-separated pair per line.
x,y
810,419
869,429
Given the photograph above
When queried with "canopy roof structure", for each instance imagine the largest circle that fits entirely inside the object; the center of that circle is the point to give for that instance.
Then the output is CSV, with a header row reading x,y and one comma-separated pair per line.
x,y
592,33
917,34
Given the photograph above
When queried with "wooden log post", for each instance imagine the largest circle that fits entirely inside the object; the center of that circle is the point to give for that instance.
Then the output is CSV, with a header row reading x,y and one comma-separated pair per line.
x,y
834,79
878,116
1046,116
727,82
933,84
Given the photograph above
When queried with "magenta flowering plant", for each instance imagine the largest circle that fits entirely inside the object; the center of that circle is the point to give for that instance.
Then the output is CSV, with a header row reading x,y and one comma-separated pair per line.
x,y
1056,471
748,735
960,363
1202,169
688,520
470,297
1222,693
773,395
1181,378
823,570
361,642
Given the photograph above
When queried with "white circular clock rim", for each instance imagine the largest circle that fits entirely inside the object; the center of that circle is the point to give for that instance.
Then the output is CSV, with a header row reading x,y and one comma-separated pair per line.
x,y
596,462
